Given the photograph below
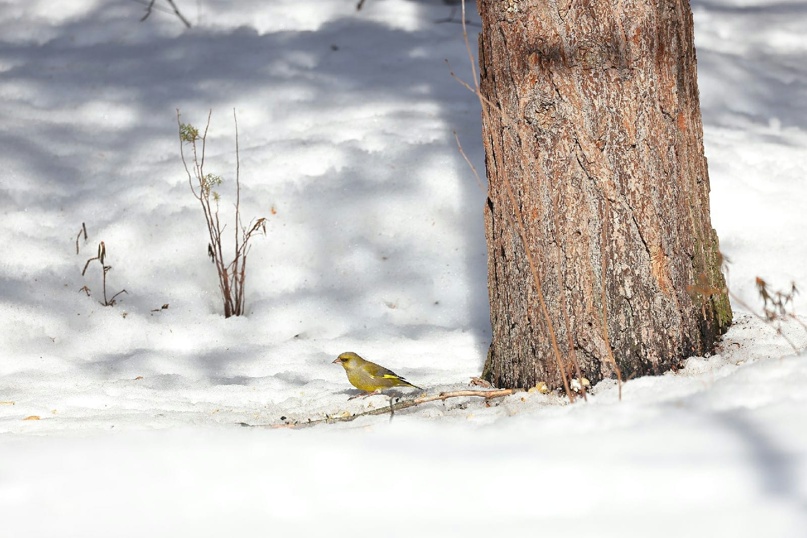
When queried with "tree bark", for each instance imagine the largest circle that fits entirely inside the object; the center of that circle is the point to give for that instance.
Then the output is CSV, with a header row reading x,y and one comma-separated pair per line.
x,y
595,164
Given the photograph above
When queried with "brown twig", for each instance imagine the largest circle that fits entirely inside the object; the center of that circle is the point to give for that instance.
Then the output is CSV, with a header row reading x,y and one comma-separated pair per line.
x,y
101,257
232,274
467,160
397,406
84,230
767,320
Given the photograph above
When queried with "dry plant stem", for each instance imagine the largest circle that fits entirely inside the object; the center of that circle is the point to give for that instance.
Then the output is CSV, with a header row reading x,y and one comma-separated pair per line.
x,y
232,275
213,224
405,404
467,160
797,320
768,321
83,230
101,257
517,219
237,274
210,213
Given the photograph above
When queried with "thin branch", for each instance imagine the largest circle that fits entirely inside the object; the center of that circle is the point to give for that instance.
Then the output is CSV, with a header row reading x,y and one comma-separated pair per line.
x,y
84,230
112,300
148,10
238,226
151,6
178,14
404,404
232,274
467,160
100,256
765,320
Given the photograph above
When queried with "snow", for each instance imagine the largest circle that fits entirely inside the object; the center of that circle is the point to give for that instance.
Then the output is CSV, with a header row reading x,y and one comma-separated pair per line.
x,y
375,244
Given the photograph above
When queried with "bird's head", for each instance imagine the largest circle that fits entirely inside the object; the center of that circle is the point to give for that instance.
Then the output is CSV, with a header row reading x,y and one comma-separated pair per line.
x,y
348,359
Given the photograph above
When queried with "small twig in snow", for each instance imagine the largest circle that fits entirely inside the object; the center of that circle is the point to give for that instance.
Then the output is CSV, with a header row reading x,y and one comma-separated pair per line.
x,y
397,406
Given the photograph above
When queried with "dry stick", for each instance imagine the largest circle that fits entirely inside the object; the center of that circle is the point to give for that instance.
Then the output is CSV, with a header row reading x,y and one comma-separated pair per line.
x,y
467,160
232,276
711,291
112,299
518,218
176,12
83,229
148,10
238,276
765,320
105,268
242,247
603,298
238,305
215,232
792,315
405,404
101,255
212,220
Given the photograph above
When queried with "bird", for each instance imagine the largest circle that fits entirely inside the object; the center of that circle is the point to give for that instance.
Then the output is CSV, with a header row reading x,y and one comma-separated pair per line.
x,y
369,376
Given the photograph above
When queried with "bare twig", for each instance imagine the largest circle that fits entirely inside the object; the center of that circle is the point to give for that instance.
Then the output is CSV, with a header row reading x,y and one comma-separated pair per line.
x,y
84,230
178,14
148,10
112,300
151,6
101,257
768,320
467,160
404,404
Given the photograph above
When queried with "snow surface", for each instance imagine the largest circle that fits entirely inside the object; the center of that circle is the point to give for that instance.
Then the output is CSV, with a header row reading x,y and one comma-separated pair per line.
x,y
375,244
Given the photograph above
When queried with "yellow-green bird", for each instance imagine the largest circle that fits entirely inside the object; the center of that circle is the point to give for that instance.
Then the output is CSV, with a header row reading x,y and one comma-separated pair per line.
x,y
369,376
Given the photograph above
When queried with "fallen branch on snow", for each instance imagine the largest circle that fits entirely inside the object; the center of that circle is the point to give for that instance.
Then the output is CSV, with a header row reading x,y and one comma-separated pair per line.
x,y
391,408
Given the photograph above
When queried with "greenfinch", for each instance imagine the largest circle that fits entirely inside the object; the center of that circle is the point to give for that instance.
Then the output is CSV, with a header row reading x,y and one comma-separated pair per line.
x,y
369,376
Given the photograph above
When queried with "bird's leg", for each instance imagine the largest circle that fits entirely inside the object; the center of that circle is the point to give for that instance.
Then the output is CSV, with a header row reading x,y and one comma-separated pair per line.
x,y
365,395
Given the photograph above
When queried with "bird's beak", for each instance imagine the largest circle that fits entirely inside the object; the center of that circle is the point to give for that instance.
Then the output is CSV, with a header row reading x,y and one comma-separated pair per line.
x,y
337,360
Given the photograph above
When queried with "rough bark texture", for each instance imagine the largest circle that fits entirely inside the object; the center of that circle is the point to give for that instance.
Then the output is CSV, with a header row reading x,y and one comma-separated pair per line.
x,y
592,127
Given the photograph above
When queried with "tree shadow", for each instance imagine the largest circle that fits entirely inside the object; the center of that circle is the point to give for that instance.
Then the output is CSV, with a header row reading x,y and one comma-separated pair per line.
x,y
92,104
750,66
776,469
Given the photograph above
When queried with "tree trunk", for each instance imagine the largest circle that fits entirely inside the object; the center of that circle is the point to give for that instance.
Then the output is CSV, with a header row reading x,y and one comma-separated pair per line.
x,y
600,244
